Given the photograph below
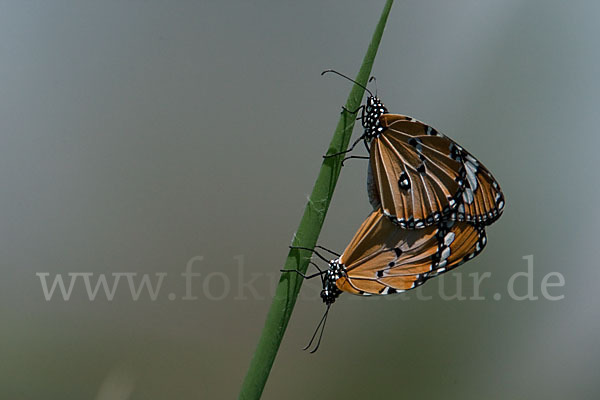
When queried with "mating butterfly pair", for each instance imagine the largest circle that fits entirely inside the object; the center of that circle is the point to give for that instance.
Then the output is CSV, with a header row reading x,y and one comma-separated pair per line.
x,y
431,201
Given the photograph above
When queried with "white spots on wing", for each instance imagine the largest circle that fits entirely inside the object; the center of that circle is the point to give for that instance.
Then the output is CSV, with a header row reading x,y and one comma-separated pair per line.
x,y
468,196
471,175
449,238
472,160
501,204
445,253
403,182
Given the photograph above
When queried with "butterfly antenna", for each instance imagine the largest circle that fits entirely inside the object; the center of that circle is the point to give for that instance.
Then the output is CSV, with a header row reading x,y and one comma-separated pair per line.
x,y
374,80
322,330
350,79
322,326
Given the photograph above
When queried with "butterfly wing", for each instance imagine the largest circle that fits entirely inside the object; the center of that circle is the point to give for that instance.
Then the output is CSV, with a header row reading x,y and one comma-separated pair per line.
x,y
383,258
482,198
458,242
421,176
377,239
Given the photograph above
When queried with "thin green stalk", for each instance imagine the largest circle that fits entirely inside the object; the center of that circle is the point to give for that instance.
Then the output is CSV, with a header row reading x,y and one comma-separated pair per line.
x,y
308,231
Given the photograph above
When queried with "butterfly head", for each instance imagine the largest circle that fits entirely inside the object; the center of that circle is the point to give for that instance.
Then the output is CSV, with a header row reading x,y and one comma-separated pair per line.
x,y
371,113
330,291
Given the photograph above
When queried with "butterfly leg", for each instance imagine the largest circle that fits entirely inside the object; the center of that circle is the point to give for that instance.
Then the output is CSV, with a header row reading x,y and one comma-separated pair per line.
x,y
311,250
326,249
320,273
357,157
347,151
352,112
301,274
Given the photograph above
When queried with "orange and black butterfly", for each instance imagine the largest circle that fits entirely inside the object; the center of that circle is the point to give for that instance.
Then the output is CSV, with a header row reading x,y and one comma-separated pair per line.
x,y
383,258
419,176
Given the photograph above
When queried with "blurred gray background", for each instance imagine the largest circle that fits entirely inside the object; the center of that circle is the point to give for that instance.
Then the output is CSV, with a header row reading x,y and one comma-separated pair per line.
x,y
140,136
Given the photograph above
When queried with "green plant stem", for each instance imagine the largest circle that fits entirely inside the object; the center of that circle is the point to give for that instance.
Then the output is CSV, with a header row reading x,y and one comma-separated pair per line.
x,y
308,231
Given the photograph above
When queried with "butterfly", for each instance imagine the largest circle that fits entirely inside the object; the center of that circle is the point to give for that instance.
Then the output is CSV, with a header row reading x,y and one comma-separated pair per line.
x,y
418,176
383,258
